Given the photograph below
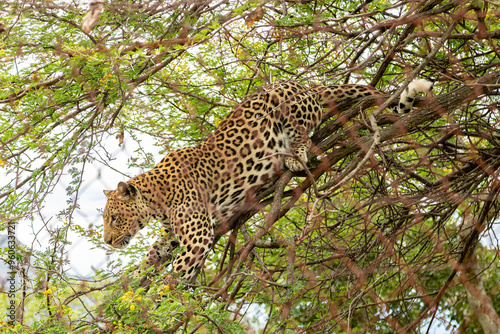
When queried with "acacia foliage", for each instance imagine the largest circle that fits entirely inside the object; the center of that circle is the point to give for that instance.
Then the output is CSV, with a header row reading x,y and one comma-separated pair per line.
x,y
382,235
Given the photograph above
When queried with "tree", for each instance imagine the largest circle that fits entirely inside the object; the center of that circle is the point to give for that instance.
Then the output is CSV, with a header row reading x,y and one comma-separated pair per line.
x,y
387,230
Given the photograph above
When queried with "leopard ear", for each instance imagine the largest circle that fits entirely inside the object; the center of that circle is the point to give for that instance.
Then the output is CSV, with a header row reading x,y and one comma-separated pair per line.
x,y
107,193
125,191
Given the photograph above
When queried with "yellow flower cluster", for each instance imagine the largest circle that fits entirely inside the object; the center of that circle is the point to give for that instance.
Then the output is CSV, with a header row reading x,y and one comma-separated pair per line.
x,y
119,324
49,291
2,163
162,231
105,79
65,310
127,296
490,15
166,289
130,297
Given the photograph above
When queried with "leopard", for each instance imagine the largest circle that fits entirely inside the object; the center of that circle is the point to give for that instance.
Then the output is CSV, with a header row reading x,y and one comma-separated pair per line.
x,y
193,188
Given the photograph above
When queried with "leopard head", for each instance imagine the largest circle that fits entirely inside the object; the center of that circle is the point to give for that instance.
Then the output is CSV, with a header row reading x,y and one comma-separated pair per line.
x,y
124,215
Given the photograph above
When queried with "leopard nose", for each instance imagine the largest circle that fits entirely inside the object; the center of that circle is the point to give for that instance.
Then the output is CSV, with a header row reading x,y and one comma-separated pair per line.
x,y
108,240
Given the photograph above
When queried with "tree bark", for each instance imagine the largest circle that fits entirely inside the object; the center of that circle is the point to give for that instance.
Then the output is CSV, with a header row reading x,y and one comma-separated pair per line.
x,y
479,302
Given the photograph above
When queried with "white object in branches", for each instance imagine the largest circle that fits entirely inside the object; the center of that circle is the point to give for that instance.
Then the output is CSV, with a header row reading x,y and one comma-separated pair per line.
x,y
92,18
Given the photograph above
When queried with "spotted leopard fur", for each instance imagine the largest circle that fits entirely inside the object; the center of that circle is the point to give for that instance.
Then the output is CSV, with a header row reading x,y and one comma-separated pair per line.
x,y
194,186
